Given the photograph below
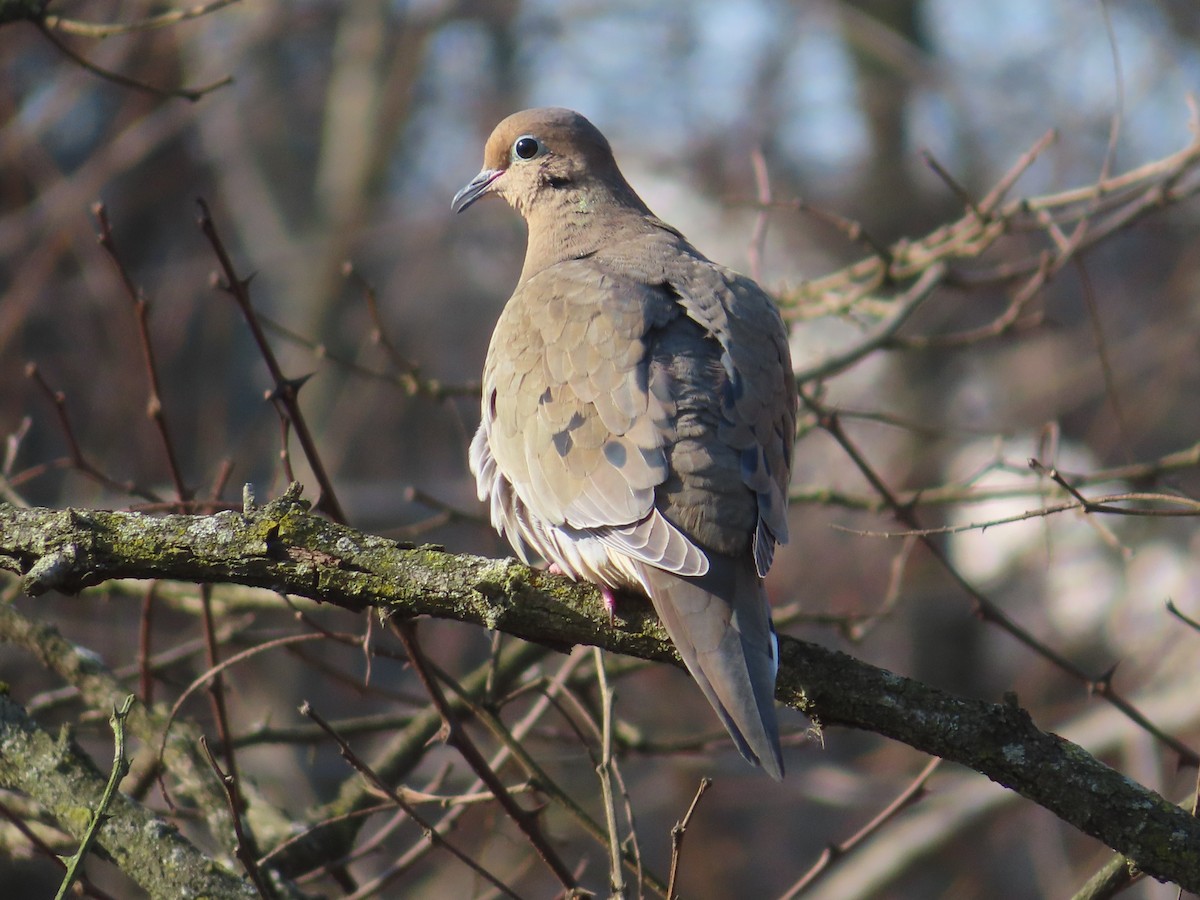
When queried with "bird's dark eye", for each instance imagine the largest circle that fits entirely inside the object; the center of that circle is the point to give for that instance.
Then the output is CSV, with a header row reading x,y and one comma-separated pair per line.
x,y
526,147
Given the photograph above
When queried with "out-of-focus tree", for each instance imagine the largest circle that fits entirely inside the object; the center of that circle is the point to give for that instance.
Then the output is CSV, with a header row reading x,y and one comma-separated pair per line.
x,y
847,154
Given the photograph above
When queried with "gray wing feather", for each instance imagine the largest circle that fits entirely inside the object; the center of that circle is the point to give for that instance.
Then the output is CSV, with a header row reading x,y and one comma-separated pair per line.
x,y
721,625
569,419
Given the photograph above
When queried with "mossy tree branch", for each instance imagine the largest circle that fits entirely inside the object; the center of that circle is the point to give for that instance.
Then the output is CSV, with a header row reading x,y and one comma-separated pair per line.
x,y
63,779
282,546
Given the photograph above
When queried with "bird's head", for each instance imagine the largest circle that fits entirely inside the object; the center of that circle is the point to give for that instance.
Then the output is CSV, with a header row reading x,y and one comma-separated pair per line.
x,y
543,158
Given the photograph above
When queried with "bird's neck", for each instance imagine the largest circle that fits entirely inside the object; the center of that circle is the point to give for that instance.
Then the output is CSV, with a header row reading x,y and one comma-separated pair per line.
x,y
574,223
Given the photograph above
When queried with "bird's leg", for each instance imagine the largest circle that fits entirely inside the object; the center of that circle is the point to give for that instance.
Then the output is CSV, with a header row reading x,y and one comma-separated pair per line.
x,y
610,602
606,593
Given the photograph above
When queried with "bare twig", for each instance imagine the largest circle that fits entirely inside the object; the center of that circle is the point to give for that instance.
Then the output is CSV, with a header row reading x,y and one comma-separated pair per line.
x,y
78,461
758,239
985,609
430,832
1104,504
604,771
285,393
192,94
141,310
512,746
103,30
966,493
679,832
1187,620
244,845
456,737
834,853
1112,879
120,768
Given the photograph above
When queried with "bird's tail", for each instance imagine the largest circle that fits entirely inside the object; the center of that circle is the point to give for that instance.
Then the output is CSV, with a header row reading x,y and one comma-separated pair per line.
x,y
721,624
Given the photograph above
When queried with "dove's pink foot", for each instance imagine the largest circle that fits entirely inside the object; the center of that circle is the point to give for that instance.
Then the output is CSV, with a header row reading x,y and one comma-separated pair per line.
x,y
610,599
610,602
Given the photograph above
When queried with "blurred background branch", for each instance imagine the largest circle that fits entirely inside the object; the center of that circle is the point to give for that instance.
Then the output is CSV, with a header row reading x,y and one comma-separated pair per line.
x,y
980,220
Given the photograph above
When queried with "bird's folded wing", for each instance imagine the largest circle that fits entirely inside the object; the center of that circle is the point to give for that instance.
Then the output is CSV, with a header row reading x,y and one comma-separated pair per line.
x,y
758,399
611,375
569,417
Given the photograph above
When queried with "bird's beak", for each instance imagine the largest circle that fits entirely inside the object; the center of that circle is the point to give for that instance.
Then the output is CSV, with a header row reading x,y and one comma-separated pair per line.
x,y
474,189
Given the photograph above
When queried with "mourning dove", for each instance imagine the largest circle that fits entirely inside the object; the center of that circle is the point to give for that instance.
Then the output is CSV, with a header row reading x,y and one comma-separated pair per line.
x,y
638,413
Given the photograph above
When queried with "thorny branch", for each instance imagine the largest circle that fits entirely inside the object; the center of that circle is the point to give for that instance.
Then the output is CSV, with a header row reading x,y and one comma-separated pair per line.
x,y
282,545
887,286
290,551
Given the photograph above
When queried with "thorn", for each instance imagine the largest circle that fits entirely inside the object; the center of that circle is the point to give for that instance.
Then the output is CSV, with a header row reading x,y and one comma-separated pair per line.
x,y
1102,684
287,387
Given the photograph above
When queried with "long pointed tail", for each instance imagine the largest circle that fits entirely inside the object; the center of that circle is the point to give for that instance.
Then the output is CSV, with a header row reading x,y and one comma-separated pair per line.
x,y
721,624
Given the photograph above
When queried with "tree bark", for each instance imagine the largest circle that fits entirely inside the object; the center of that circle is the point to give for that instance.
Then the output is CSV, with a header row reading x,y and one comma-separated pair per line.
x,y
284,547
